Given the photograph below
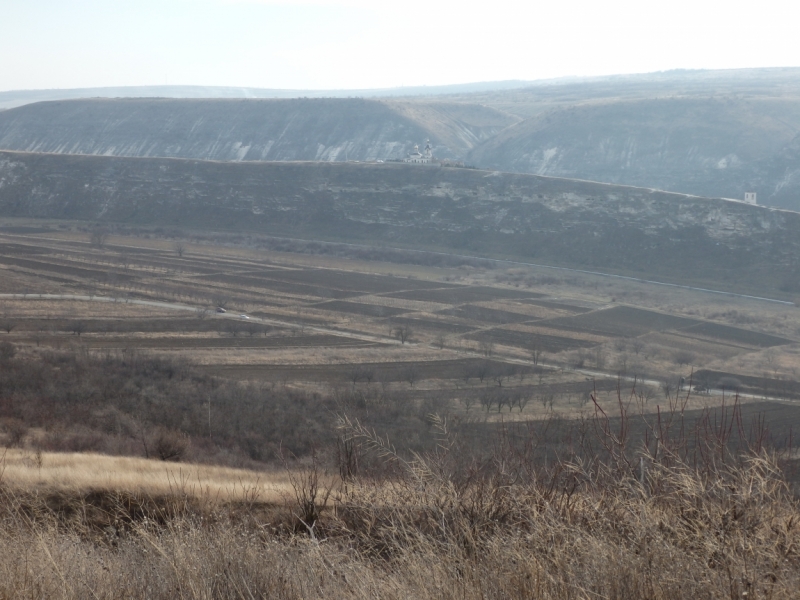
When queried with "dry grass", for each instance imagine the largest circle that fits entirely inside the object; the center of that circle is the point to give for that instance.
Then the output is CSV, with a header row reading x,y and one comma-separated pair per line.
x,y
436,530
79,309
82,472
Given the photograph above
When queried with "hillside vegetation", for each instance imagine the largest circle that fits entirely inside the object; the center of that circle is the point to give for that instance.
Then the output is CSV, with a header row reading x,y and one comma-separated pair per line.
x,y
641,232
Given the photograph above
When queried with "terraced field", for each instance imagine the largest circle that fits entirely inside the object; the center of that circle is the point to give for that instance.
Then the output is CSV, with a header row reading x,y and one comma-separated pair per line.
x,y
300,320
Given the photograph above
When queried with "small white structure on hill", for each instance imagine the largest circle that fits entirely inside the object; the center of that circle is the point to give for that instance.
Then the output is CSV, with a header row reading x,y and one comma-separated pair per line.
x,y
418,157
750,198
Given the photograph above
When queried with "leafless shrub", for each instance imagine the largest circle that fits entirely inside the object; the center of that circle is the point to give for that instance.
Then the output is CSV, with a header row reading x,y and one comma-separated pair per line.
x,y
169,445
683,357
14,431
311,493
77,327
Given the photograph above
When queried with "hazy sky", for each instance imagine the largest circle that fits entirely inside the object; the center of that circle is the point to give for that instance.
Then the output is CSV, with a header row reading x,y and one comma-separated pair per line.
x,y
329,44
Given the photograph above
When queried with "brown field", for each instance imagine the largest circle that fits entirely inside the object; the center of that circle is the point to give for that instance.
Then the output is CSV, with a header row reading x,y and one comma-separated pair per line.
x,y
159,449
735,335
452,313
452,295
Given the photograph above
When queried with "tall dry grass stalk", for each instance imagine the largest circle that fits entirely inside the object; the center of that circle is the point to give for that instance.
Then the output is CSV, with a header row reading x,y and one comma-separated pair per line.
x,y
605,522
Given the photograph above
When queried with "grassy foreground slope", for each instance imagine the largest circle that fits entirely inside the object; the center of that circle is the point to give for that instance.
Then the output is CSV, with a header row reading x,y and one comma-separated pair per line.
x,y
578,224
435,526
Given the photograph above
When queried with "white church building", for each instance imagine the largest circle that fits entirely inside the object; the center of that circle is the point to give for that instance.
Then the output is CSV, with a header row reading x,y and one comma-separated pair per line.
x,y
420,158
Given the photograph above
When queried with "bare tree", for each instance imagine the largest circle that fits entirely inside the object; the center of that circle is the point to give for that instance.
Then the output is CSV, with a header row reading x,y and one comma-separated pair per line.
x,y
98,236
78,327
440,341
411,374
367,373
683,357
599,358
536,352
501,372
486,347
402,333
179,248
487,399
220,301
483,370
355,374
8,326
124,260
502,399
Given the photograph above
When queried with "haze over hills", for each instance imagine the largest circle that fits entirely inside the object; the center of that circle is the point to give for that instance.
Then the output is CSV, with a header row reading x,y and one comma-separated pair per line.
x,y
14,98
710,133
578,224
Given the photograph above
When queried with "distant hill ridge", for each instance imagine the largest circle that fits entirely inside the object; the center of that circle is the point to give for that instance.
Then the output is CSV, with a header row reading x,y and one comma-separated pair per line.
x,y
236,130
708,133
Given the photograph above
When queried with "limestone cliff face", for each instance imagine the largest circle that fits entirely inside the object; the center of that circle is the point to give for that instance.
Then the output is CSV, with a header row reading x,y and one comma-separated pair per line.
x,y
244,130
579,224
706,146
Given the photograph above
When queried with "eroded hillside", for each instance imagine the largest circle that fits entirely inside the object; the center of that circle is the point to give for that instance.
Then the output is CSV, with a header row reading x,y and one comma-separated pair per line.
x,y
705,146
636,231
330,129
